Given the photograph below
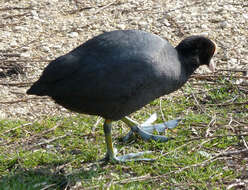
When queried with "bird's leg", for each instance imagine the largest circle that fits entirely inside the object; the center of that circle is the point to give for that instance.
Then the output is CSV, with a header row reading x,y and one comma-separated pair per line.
x,y
110,155
108,139
146,129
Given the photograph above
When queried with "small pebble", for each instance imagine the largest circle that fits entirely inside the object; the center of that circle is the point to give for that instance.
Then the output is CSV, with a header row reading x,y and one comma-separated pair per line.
x,y
46,48
73,34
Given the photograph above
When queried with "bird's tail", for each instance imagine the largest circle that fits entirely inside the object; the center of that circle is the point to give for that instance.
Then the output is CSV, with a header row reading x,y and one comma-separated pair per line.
x,y
38,89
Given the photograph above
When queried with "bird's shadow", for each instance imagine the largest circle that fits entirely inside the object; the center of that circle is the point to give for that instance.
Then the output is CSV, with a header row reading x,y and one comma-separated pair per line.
x,y
47,177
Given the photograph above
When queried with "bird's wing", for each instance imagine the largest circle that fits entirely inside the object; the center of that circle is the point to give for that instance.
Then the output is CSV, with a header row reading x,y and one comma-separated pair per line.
x,y
60,68
107,66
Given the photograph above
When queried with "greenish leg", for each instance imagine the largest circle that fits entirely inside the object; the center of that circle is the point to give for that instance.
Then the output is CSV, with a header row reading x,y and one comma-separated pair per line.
x,y
110,155
108,139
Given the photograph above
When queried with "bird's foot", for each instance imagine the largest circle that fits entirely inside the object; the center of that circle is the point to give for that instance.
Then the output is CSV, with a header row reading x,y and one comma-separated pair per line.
x,y
146,129
127,157
111,151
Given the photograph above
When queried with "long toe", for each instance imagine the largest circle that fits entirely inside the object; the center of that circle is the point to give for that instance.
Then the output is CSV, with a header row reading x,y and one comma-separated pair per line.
x,y
150,120
127,158
131,123
161,127
148,136
135,157
146,130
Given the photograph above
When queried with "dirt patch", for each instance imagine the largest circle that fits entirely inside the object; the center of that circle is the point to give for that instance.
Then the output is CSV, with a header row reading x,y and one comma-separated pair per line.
x,y
35,32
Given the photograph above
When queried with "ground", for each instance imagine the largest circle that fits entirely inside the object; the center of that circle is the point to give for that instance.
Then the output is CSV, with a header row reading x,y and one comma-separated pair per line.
x,y
46,146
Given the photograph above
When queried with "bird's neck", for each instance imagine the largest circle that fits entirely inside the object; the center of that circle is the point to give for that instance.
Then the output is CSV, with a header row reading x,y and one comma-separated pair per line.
x,y
189,64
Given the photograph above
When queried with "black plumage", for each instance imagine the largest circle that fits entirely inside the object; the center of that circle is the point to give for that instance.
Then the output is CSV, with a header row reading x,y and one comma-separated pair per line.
x,y
118,72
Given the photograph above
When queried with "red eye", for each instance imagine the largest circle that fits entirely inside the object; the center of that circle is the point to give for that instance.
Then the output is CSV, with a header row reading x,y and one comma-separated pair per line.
x,y
213,49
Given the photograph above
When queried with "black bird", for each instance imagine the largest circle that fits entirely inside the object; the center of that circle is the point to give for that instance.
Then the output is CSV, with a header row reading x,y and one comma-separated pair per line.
x,y
116,73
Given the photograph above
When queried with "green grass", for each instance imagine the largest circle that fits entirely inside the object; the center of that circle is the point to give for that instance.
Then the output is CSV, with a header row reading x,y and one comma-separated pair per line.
x,y
59,153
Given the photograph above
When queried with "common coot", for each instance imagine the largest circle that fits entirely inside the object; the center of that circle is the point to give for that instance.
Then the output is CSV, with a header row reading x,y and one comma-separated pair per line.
x,y
116,73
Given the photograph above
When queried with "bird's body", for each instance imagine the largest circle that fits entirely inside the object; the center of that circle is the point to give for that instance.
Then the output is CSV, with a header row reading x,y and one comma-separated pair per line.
x,y
116,73
102,78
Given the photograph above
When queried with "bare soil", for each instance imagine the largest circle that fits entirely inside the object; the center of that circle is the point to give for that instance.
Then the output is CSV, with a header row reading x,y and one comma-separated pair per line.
x,y
35,32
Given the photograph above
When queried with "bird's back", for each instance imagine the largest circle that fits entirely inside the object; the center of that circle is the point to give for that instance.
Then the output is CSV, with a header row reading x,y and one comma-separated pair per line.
x,y
113,74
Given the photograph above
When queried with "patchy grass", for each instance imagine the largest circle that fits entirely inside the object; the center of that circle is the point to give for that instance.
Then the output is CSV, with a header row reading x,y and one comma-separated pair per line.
x,y
208,149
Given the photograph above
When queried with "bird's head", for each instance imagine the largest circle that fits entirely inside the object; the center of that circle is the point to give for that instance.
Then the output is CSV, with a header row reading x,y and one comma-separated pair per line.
x,y
197,51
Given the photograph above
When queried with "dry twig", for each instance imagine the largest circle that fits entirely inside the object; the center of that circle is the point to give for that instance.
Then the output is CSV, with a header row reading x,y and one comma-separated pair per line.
x,y
13,129
47,141
15,8
233,70
212,137
236,184
21,84
103,7
208,77
229,104
17,15
23,100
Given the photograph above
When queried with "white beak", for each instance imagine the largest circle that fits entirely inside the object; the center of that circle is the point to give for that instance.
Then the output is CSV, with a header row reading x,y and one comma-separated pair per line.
x,y
211,66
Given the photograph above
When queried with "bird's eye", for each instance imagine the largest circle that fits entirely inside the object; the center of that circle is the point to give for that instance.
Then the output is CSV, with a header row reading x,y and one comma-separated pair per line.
x,y
213,50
